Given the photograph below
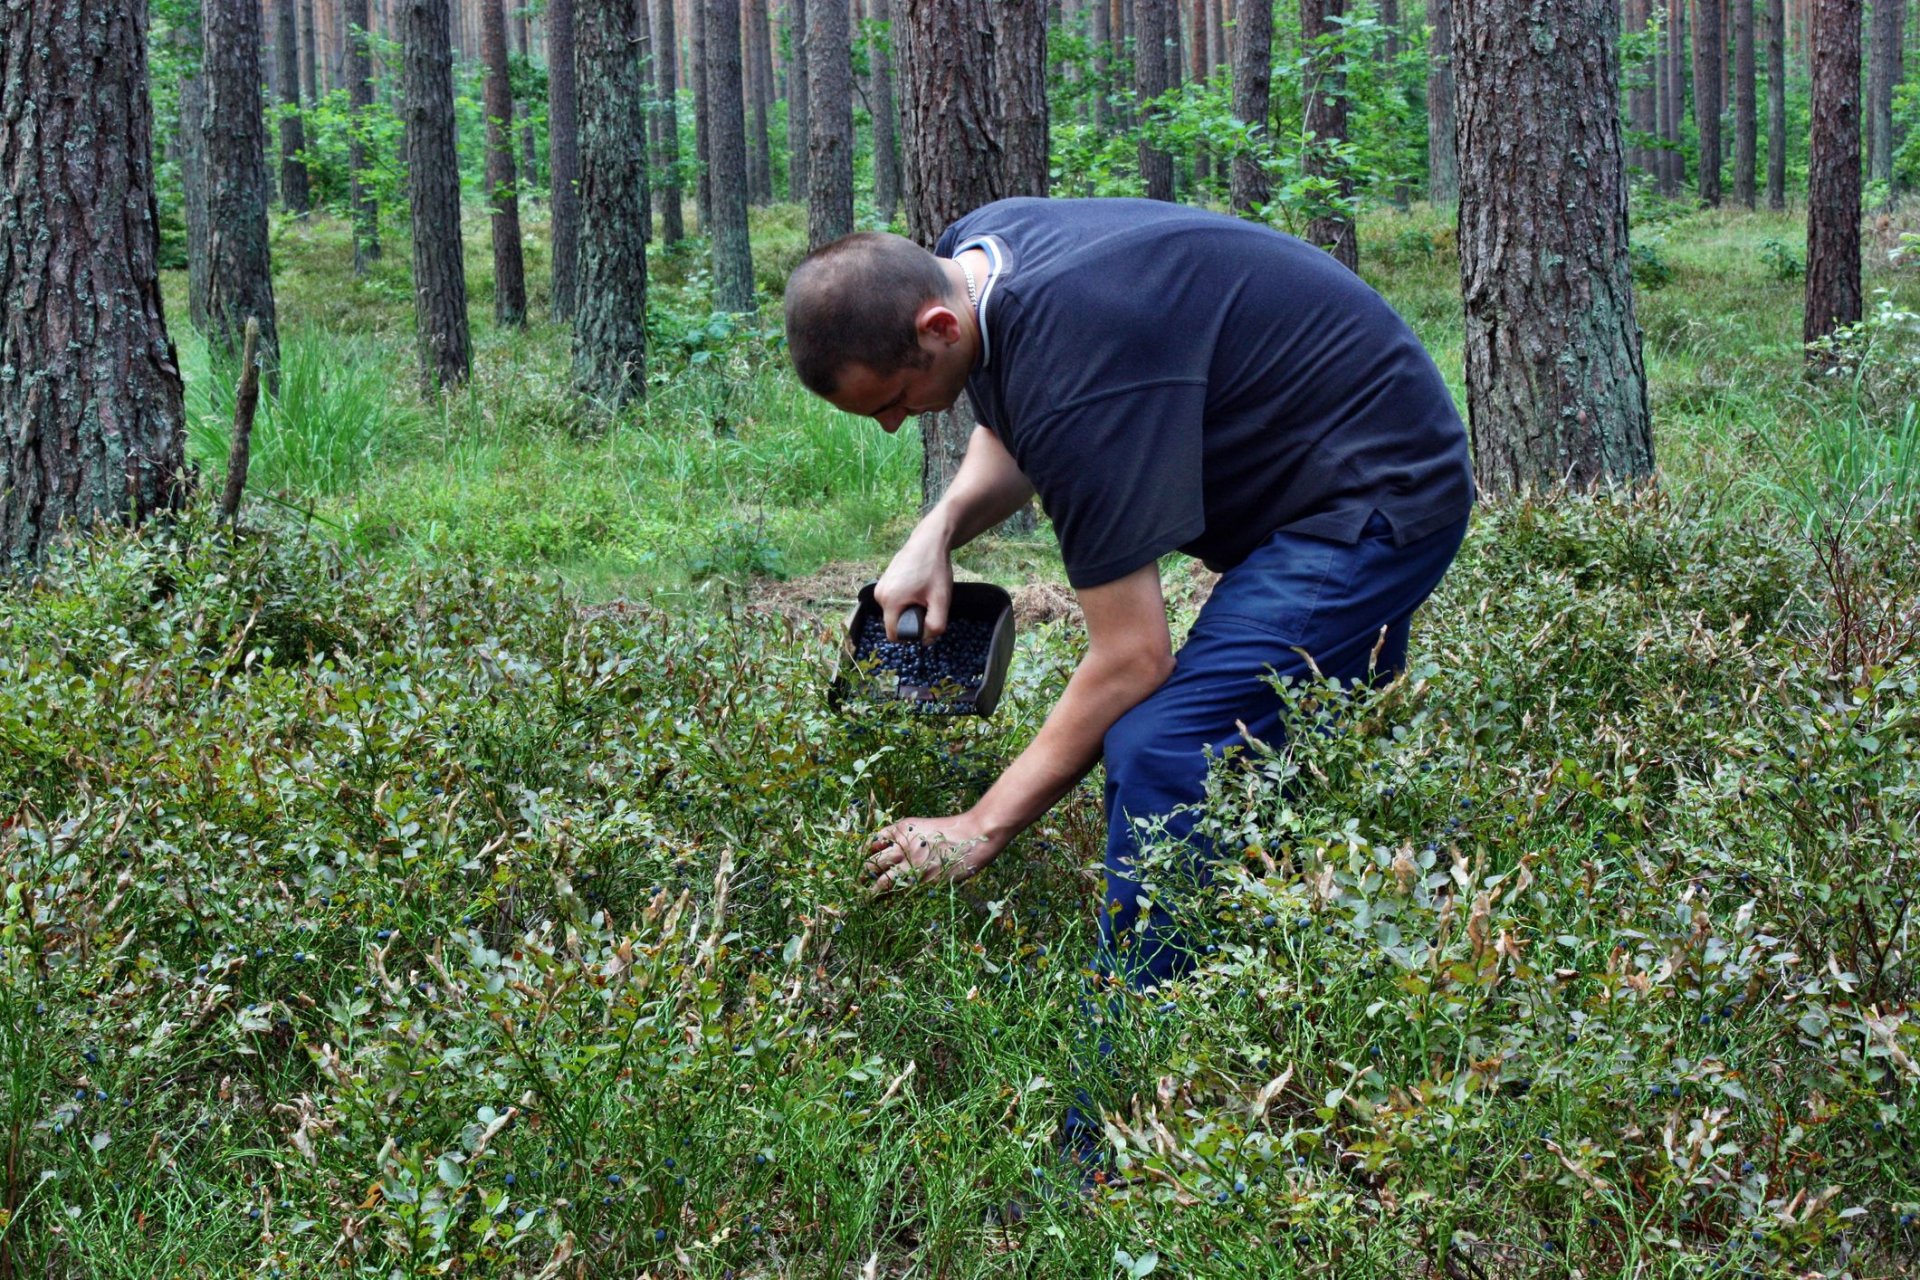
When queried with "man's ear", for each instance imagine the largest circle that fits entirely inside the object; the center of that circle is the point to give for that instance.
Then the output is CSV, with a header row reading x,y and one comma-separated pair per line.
x,y
937,320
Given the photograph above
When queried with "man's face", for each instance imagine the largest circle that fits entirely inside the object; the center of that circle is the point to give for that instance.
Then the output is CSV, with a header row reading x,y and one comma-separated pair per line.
x,y
891,398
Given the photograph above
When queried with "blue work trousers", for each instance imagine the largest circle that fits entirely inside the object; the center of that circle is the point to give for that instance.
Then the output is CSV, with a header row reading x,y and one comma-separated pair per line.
x,y
1295,593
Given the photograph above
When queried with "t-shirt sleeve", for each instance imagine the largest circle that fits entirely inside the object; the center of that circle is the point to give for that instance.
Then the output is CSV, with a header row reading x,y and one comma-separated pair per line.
x,y
1120,476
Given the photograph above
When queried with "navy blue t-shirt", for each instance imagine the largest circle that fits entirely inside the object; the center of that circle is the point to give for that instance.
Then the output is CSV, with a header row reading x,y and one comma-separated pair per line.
x,y
1174,379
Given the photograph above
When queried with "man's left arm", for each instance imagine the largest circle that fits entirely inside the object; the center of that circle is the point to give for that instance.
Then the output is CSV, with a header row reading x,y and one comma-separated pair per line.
x,y
1129,655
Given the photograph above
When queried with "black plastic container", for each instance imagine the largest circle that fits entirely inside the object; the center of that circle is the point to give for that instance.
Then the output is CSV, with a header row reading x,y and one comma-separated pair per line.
x,y
962,673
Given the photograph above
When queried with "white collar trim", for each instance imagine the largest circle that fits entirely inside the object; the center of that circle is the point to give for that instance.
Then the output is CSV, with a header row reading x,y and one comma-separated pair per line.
x,y
996,261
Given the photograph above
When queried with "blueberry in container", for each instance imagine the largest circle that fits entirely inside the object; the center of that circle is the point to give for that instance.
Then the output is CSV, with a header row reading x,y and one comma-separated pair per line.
x,y
961,673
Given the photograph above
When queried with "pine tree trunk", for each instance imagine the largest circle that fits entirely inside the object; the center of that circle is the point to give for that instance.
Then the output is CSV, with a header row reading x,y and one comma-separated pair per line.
x,y
1676,94
1443,155
673,224
610,321
1556,388
239,275
433,169
641,43
1149,82
702,117
1197,72
1102,36
886,118
1252,89
1020,84
763,89
503,198
1326,124
799,104
1642,108
727,147
309,77
1745,123
563,158
1883,78
759,147
361,204
1833,171
529,158
830,123
294,190
1707,51
192,153
92,399
1776,104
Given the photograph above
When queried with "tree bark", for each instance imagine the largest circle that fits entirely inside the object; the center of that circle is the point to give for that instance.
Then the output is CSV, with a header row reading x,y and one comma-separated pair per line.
x,y
433,170
1883,78
1776,104
1102,36
1833,171
1252,88
364,210
1326,125
1556,388
309,77
666,59
1020,85
830,124
1676,108
886,118
503,199
702,118
1150,81
727,147
563,157
239,274
1197,73
610,322
1707,53
192,153
294,191
92,398
1745,124
1443,154
759,146
799,104
640,42
529,158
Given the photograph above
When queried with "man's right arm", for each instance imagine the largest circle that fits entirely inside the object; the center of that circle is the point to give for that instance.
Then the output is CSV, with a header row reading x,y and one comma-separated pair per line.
x,y
987,489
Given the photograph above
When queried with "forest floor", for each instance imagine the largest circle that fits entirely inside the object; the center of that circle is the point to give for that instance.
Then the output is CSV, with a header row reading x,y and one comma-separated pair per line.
x,y
453,872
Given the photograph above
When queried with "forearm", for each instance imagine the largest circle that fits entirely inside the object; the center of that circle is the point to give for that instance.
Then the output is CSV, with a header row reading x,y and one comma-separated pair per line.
x,y
1068,744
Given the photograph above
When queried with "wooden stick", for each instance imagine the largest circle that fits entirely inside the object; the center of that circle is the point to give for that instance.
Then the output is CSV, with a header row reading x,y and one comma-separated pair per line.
x,y
244,405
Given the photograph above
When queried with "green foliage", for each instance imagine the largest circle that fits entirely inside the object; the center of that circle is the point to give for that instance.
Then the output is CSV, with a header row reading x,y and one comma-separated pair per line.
x,y
1782,260
1650,269
739,551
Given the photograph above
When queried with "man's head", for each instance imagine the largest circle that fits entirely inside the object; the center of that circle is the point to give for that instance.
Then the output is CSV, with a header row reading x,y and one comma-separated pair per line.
x,y
873,328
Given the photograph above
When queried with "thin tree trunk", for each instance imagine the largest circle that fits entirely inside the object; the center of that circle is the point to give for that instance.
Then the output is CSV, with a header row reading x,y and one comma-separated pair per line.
x,y
1642,109
1745,124
727,145
529,154
1707,52
673,225
1252,88
192,152
360,199
92,402
1883,79
1020,84
1150,81
764,94
754,106
309,78
702,119
886,118
1326,125
1443,155
1776,104
1556,387
1676,93
641,43
503,198
563,157
610,321
1102,37
1833,171
433,170
239,273
799,105
1197,72
294,190
830,161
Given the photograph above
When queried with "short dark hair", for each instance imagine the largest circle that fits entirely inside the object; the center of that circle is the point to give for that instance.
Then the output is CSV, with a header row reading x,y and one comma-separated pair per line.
x,y
854,301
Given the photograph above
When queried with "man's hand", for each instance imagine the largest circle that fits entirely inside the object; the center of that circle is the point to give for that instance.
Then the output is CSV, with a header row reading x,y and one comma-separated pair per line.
x,y
916,852
921,572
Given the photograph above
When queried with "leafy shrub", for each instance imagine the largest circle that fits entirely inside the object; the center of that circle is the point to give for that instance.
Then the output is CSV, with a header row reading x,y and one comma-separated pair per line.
x,y
1650,269
1781,260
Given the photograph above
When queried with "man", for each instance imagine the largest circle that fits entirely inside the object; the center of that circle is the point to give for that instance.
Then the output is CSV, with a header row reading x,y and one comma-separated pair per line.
x,y
1165,379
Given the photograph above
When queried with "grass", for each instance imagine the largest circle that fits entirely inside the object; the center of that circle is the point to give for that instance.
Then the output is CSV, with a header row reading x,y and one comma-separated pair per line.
x,y
374,908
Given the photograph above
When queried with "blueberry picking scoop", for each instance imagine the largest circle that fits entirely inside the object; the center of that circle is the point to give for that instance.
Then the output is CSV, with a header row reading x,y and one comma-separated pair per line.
x,y
963,672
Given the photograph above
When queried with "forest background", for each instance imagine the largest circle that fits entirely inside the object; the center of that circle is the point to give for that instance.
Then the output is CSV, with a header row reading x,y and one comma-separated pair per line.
x,y
444,863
